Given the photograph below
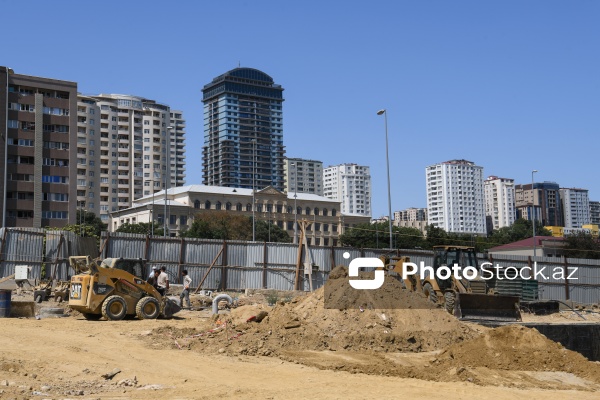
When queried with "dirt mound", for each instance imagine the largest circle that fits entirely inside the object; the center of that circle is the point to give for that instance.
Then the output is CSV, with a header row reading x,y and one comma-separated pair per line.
x,y
516,347
305,324
338,294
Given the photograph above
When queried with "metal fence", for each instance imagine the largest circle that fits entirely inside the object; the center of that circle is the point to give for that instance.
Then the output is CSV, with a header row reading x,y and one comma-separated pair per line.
x,y
45,252
238,265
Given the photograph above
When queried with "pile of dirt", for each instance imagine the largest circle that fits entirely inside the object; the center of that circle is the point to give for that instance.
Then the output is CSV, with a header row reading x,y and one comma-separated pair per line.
x,y
514,347
305,324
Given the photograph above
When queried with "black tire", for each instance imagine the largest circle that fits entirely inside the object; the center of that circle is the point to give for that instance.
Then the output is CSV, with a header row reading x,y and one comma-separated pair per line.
x,y
114,308
430,293
449,300
147,308
91,317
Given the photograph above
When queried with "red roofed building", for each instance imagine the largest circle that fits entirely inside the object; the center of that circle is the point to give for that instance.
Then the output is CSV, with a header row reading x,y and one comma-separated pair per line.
x,y
546,246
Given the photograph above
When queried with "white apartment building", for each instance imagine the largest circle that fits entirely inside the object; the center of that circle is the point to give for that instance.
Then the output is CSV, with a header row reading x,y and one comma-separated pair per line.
x,y
349,184
576,207
499,196
595,212
122,144
455,200
303,176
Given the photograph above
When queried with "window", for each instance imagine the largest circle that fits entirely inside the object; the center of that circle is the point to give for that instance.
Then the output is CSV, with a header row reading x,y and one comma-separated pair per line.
x,y
172,219
228,206
183,220
333,212
197,204
207,205
248,207
238,207
218,205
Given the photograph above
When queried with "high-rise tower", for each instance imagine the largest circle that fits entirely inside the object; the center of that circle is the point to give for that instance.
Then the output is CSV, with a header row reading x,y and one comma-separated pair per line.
x,y
243,131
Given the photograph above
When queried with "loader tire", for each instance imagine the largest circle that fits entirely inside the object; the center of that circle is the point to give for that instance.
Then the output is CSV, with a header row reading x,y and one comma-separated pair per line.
x,y
449,300
114,308
430,293
147,308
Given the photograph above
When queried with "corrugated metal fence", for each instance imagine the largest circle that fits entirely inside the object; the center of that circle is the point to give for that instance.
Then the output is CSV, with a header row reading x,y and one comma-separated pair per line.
x,y
46,252
254,265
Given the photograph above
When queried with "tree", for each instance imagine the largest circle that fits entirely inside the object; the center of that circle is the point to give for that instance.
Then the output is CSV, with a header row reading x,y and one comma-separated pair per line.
x,y
265,231
377,236
521,229
143,228
582,245
88,218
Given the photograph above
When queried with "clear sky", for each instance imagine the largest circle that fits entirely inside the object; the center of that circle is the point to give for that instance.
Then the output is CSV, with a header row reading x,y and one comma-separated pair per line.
x,y
510,85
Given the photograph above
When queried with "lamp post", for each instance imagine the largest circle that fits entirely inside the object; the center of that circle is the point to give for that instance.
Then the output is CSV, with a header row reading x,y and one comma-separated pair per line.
x,y
533,211
387,160
295,204
253,189
152,210
167,178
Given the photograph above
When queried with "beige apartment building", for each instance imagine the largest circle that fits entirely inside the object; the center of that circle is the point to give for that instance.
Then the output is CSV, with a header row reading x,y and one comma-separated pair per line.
x,y
184,203
128,147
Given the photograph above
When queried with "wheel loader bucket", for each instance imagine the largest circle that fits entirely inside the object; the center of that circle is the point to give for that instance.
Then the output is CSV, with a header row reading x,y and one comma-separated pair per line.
x,y
474,307
171,307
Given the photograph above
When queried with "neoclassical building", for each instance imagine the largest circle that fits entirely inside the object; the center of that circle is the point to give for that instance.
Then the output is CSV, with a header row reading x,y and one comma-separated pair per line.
x,y
184,203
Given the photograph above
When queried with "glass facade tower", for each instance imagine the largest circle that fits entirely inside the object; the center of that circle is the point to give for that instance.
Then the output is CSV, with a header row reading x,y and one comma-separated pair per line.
x,y
243,131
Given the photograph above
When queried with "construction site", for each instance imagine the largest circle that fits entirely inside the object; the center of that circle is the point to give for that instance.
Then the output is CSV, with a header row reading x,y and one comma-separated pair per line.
x,y
282,321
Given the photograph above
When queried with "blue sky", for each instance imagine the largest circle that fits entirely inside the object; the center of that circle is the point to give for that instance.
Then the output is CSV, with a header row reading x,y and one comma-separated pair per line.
x,y
511,85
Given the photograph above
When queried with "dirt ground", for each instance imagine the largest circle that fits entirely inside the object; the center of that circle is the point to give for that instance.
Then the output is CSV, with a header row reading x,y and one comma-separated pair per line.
x,y
65,357
295,349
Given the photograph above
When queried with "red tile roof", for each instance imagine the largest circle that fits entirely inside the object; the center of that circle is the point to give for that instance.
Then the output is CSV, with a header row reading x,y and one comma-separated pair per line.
x,y
526,243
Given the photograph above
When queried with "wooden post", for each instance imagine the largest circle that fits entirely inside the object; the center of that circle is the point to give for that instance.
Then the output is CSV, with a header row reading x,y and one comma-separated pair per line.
x,y
58,252
209,268
147,249
299,258
224,267
181,252
104,246
265,261
566,272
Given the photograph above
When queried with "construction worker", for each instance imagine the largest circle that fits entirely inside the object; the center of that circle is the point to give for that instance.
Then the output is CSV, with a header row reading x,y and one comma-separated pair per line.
x,y
185,293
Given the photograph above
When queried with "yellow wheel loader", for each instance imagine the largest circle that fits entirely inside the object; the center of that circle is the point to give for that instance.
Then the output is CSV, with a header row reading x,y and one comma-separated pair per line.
x,y
467,299
115,289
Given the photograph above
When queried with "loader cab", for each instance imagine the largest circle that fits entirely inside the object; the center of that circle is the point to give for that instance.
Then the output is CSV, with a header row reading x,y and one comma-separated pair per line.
x,y
450,255
134,266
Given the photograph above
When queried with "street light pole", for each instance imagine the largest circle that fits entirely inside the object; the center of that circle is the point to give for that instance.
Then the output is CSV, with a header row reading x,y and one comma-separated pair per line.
x,y
253,190
387,160
533,211
167,178
295,204
152,210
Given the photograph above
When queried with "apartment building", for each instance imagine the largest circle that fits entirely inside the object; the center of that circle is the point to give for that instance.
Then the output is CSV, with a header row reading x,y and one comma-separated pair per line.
x,y
543,202
127,147
499,194
411,214
595,212
576,207
455,199
350,184
38,147
303,176
243,131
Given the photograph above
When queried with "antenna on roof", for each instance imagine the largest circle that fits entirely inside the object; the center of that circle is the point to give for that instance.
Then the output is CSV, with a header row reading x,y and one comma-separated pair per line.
x,y
239,64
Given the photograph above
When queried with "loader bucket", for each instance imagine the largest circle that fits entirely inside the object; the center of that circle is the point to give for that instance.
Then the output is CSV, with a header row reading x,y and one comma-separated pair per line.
x,y
484,307
171,307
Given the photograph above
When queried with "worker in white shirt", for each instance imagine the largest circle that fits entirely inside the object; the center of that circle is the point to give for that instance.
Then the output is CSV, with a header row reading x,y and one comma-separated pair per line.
x,y
187,281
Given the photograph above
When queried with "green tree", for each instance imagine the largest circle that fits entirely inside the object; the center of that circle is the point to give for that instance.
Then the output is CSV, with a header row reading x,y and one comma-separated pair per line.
x,y
582,245
88,218
269,232
519,230
435,236
144,228
377,236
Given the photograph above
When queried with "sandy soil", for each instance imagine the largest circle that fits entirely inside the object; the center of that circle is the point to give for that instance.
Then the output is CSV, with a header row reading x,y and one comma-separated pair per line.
x,y
65,357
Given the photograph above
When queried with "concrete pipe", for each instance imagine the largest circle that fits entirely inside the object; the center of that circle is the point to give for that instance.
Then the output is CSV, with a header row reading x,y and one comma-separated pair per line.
x,y
215,303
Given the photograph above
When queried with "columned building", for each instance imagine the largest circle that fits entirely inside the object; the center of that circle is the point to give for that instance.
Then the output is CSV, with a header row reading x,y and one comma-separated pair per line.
x,y
243,131
455,200
38,144
499,202
324,220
